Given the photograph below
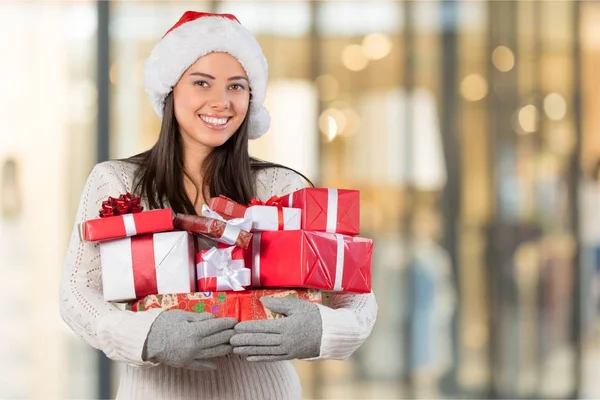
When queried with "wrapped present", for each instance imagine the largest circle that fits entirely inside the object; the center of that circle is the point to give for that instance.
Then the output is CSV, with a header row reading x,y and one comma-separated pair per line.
x,y
212,225
243,306
222,268
307,259
327,210
266,216
138,266
123,217
271,216
226,207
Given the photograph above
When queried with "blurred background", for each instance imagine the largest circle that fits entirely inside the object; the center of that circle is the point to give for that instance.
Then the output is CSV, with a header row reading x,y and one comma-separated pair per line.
x,y
471,128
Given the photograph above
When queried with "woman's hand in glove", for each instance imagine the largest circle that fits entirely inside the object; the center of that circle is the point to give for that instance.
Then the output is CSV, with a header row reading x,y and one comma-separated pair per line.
x,y
298,335
186,340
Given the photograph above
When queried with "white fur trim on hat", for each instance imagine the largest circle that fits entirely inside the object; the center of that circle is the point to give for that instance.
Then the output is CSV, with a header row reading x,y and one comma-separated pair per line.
x,y
184,45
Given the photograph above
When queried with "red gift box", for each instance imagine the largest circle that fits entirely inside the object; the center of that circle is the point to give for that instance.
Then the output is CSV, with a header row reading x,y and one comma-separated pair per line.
x,y
137,266
307,259
222,268
125,225
243,306
226,207
327,210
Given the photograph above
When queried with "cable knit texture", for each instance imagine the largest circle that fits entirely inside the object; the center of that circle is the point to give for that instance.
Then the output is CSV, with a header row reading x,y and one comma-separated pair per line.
x,y
347,318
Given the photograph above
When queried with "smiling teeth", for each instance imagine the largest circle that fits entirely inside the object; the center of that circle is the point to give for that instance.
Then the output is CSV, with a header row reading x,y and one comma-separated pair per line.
x,y
214,121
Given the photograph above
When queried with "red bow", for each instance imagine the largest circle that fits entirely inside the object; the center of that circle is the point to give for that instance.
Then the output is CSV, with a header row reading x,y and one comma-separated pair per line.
x,y
272,202
127,203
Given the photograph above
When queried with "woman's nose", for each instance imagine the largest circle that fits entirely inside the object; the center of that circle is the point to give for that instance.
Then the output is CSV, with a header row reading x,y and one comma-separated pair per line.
x,y
219,100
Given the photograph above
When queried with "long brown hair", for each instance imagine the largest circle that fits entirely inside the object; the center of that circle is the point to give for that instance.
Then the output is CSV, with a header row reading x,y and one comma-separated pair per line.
x,y
228,170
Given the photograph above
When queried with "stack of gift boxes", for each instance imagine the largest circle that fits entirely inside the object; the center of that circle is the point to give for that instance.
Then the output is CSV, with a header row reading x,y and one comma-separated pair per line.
x,y
294,246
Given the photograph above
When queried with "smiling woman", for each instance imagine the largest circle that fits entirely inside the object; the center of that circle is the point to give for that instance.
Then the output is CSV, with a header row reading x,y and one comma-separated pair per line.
x,y
207,79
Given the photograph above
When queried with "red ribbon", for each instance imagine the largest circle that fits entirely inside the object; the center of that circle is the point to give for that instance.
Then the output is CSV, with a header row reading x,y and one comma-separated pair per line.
x,y
144,265
127,203
274,201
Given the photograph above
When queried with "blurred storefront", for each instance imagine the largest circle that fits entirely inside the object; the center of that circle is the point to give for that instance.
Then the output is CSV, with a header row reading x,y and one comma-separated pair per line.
x,y
470,127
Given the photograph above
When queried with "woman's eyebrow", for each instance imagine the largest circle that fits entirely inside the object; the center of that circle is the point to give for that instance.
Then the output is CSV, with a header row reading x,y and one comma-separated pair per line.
x,y
237,78
233,78
203,74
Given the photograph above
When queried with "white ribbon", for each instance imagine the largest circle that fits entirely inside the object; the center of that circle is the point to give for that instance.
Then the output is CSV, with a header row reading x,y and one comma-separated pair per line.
x,y
332,210
232,227
231,274
256,259
129,223
339,263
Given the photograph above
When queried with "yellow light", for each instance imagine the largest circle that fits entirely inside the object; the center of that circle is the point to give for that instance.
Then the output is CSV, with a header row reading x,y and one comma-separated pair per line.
x,y
503,58
354,58
528,118
332,128
473,87
555,106
328,87
332,122
376,46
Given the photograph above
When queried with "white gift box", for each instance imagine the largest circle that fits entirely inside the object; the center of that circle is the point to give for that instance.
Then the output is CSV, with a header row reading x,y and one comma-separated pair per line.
x,y
270,218
138,266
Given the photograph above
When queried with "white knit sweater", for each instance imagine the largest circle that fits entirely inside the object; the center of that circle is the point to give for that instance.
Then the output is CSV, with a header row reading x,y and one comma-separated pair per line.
x,y
347,320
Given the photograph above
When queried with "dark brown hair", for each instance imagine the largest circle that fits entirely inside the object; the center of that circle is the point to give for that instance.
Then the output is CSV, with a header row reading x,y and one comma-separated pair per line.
x,y
228,170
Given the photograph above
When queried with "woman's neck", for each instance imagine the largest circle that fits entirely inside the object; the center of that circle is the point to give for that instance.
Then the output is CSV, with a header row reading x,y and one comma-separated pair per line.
x,y
193,177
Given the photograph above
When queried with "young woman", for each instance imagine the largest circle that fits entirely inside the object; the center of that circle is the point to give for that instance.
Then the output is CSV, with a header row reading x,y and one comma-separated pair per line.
x,y
207,79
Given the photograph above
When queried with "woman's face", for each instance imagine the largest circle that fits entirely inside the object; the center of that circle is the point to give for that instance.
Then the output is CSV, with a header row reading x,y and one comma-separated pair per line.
x,y
211,100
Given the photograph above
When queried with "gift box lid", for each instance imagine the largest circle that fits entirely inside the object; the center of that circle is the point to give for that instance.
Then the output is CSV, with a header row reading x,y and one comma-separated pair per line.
x,y
120,226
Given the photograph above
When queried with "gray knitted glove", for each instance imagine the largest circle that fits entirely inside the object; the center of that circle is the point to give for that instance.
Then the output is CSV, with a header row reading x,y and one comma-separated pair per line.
x,y
185,339
298,335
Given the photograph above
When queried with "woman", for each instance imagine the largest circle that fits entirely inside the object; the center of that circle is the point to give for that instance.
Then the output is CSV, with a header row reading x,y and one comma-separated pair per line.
x,y
207,79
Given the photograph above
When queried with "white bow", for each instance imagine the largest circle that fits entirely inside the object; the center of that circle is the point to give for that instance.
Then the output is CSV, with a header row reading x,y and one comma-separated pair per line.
x,y
231,274
244,224
233,226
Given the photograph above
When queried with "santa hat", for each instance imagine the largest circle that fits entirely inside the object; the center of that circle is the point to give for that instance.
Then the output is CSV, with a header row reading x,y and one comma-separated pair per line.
x,y
195,35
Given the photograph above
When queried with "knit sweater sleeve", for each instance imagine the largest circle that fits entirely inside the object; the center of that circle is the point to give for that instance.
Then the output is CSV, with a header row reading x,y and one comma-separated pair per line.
x,y
347,319
120,334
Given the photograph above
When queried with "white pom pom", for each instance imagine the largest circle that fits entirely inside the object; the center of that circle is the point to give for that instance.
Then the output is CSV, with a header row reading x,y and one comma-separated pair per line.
x,y
259,123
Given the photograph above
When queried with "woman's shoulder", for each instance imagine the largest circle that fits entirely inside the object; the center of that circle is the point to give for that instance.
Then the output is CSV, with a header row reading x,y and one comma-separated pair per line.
x,y
277,181
106,179
115,171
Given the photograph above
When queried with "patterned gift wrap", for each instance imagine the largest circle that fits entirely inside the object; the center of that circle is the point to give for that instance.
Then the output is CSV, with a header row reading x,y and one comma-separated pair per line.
x,y
213,228
244,305
226,207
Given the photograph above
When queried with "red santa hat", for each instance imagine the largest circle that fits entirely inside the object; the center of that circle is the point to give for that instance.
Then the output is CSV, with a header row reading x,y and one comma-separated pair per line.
x,y
195,35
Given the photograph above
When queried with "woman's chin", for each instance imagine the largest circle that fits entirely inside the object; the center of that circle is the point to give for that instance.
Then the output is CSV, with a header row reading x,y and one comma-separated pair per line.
x,y
213,139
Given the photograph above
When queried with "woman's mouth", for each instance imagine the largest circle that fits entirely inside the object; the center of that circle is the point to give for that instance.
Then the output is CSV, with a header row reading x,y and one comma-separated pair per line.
x,y
216,123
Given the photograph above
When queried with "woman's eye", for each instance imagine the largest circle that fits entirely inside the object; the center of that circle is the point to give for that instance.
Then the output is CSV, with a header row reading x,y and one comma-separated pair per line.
x,y
238,87
201,83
